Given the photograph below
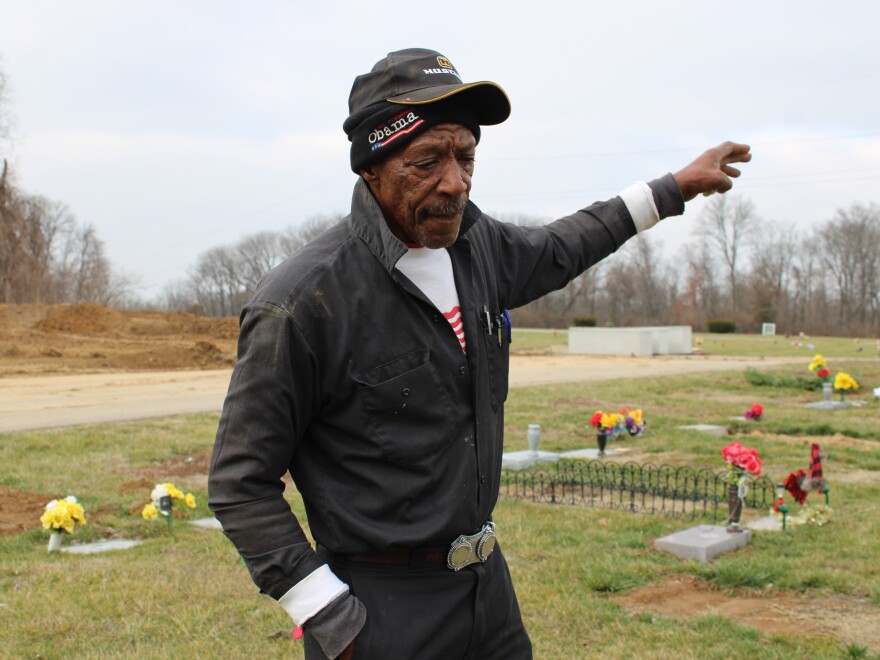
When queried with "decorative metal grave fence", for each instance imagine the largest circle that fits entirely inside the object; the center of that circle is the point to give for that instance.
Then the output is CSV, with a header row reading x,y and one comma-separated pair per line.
x,y
667,490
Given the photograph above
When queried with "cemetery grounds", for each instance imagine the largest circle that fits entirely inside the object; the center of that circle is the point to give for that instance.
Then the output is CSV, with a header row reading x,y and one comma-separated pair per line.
x,y
589,581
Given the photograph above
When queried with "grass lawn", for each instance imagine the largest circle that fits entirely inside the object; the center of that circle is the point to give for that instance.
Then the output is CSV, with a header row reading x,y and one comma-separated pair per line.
x,y
184,593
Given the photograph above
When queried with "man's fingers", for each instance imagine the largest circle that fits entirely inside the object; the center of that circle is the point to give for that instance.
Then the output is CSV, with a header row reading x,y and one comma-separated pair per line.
x,y
730,171
735,153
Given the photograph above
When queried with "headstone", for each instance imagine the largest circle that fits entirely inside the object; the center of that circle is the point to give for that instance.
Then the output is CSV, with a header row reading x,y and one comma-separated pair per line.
x,y
703,542
769,330
518,460
829,405
100,546
590,453
711,429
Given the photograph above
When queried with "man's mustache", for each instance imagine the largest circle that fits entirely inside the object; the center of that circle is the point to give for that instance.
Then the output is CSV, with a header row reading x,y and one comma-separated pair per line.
x,y
444,208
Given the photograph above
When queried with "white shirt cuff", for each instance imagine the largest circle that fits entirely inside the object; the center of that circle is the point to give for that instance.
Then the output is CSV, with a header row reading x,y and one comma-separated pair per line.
x,y
639,202
312,594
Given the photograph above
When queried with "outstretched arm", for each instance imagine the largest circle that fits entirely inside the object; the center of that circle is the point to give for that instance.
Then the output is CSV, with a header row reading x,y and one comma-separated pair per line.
x,y
711,172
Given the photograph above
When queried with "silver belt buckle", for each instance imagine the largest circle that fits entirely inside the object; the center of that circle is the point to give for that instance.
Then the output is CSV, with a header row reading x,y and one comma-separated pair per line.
x,y
476,548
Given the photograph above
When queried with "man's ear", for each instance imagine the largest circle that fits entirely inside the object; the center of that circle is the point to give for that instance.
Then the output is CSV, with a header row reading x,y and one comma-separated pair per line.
x,y
370,174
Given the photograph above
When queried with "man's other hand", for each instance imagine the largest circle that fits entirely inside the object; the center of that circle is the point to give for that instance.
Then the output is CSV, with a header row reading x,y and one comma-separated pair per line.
x,y
711,172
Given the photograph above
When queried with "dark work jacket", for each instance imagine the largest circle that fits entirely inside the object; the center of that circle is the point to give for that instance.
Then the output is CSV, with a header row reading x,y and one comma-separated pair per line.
x,y
348,377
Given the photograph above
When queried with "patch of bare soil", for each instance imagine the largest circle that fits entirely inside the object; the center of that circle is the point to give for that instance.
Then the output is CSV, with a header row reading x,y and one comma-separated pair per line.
x,y
845,619
19,511
57,339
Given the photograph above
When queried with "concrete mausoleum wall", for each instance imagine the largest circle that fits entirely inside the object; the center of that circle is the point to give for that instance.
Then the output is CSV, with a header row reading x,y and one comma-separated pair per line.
x,y
639,341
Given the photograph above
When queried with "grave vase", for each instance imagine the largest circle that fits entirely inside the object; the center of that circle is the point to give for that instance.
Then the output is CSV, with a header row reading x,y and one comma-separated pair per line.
x,y
735,507
54,542
827,391
601,438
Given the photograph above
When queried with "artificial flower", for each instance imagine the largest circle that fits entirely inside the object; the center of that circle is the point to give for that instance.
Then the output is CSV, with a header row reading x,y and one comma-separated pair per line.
x,y
823,373
817,363
173,491
159,492
609,420
161,505
63,515
754,412
741,459
844,382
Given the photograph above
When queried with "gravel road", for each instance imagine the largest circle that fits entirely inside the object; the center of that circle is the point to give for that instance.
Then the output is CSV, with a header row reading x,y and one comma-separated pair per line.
x,y
29,402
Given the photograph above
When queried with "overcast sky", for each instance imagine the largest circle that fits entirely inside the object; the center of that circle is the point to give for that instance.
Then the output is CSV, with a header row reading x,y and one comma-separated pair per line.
x,y
174,127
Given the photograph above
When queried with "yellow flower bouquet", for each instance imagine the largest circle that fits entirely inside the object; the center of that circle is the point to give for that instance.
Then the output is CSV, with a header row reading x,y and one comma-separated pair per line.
x,y
843,383
162,501
61,517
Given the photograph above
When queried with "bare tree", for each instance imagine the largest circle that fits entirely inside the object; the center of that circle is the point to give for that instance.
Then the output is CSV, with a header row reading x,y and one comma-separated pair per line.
x,y
850,254
699,298
728,223
5,112
772,271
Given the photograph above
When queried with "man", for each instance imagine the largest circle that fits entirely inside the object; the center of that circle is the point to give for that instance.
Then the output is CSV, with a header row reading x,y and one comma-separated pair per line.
x,y
373,366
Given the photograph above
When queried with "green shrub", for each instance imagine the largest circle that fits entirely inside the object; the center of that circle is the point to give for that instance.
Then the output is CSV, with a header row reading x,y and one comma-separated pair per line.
x,y
584,322
721,326
762,379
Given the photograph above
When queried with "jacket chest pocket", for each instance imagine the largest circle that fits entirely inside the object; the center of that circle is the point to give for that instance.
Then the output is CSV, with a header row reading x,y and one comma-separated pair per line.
x,y
407,412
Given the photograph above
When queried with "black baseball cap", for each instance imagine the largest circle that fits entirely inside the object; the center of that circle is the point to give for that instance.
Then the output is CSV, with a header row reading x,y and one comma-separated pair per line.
x,y
418,76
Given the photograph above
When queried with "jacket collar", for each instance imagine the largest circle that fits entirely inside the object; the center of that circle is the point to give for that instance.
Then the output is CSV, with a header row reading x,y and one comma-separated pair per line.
x,y
368,223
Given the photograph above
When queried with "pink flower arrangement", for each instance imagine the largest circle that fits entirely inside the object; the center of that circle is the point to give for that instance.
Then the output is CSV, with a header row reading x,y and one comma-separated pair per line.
x,y
741,460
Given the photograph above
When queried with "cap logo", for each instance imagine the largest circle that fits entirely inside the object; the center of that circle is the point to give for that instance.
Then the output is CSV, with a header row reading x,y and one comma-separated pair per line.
x,y
445,67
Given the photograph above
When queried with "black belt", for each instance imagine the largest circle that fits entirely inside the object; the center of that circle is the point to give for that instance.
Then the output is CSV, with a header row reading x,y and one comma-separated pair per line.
x,y
464,551
414,557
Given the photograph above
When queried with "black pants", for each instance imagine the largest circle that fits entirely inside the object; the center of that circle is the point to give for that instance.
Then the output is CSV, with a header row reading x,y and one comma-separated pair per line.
x,y
433,612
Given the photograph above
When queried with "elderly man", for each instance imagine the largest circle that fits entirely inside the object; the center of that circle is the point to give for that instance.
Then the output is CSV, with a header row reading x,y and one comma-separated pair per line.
x,y
373,366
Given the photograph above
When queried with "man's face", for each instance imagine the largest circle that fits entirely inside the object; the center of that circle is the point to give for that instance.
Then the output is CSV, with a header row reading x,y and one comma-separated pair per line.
x,y
423,189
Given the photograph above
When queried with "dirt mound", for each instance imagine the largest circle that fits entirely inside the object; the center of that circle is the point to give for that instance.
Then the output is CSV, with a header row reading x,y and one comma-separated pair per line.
x,y
843,618
47,339
81,320
20,511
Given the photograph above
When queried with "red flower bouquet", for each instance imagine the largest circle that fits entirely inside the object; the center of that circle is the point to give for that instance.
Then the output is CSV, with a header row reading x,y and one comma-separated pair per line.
x,y
754,412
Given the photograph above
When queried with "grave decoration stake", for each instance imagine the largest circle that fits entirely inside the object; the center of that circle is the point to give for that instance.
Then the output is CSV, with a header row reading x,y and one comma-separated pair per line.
x,y
779,506
61,517
740,460
800,484
162,502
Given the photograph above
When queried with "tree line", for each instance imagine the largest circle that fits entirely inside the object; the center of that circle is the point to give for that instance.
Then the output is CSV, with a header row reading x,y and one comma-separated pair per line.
x,y
737,267
46,256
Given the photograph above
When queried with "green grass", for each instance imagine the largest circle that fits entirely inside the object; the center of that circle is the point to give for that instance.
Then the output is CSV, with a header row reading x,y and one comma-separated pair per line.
x,y
184,593
529,340
779,346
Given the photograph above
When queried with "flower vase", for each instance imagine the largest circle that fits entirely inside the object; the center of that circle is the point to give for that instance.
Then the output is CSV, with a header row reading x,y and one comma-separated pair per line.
x,y
54,542
735,507
534,437
827,391
601,438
